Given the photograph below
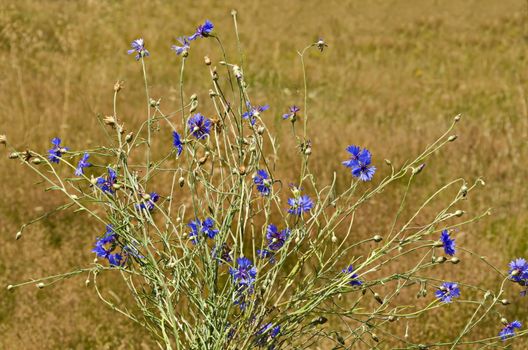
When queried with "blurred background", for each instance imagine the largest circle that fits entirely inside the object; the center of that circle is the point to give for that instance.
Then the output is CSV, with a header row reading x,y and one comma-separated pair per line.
x,y
393,77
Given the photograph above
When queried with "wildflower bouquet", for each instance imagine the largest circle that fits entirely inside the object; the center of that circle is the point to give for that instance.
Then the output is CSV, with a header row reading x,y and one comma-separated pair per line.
x,y
218,252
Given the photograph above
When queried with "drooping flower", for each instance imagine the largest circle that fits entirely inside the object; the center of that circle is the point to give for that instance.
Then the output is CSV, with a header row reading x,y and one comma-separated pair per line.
x,y
199,126
107,184
447,291
56,151
292,113
354,280
509,330
359,163
176,142
152,198
105,245
138,46
204,228
254,112
519,271
203,31
83,163
300,205
263,182
183,49
448,242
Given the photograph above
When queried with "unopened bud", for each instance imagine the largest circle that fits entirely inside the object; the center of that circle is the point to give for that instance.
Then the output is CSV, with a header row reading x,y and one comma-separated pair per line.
x,y
308,151
457,118
418,169
459,213
129,137
212,93
3,140
36,161
207,60
40,285
260,130
181,181
334,238
242,170
153,103
464,190
202,160
13,155
378,298
505,302
377,238
18,235
504,321
10,287
388,162
440,259
146,196
194,97
438,244
116,186
87,282
392,318
118,85
109,120
375,337
452,138
454,260
194,106
481,182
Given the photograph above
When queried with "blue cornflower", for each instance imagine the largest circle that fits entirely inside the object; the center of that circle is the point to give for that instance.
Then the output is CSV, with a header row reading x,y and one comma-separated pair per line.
x,y
199,126
276,238
509,330
104,246
354,281
266,254
519,271
203,31
263,182
266,332
359,162
83,163
204,228
292,113
176,142
56,151
131,250
183,49
448,242
138,46
300,205
149,204
447,291
106,184
245,273
222,253
253,112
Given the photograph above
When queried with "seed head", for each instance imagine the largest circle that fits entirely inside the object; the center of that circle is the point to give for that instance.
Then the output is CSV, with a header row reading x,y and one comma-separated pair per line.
x,y
109,120
118,85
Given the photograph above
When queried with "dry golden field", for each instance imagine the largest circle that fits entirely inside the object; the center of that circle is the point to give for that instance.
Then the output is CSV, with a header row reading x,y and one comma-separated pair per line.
x,y
393,77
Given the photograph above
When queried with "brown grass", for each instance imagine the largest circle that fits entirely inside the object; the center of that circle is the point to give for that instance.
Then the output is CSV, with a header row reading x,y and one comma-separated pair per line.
x,y
395,74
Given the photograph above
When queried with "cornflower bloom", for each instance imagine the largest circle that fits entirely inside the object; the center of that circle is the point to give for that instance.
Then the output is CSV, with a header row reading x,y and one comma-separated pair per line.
x,y
263,182
509,330
199,126
107,184
176,142
105,245
56,151
183,49
83,163
359,162
300,205
138,46
203,31
292,114
448,243
266,334
243,278
354,281
254,112
205,228
518,271
153,197
447,291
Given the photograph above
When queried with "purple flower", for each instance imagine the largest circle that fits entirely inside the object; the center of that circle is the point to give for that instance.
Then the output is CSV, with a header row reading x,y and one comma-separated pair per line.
x,y
56,151
183,49
276,238
447,291
254,112
204,228
222,253
177,143
300,205
199,126
264,334
263,182
359,162
292,114
354,281
104,246
519,271
203,31
83,163
448,242
138,46
107,184
245,273
149,203
509,330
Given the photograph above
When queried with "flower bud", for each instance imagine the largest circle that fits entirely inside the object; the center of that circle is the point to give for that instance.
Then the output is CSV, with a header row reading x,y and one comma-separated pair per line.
x,y
378,298
452,138
74,196
388,162
459,213
454,260
505,302
308,151
334,238
194,97
18,235
440,259
118,85
3,140
87,282
36,161
207,61
377,238
153,103
418,169
457,118
194,107
375,337
109,120
40,285
392,318
13,155
212,93
242,170
129,137
464,190
146,196
260,130
10,287
116,186
181,181
504,321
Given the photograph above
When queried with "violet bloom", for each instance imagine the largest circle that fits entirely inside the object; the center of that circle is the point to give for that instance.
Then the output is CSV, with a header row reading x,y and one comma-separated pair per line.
x,y
300,205
199,126
138,46
359,162
447,291
176,142
509,330
263,182
183,49
354,281
448,243
83,163
254,112
56,151
292,114
107,184
203,31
